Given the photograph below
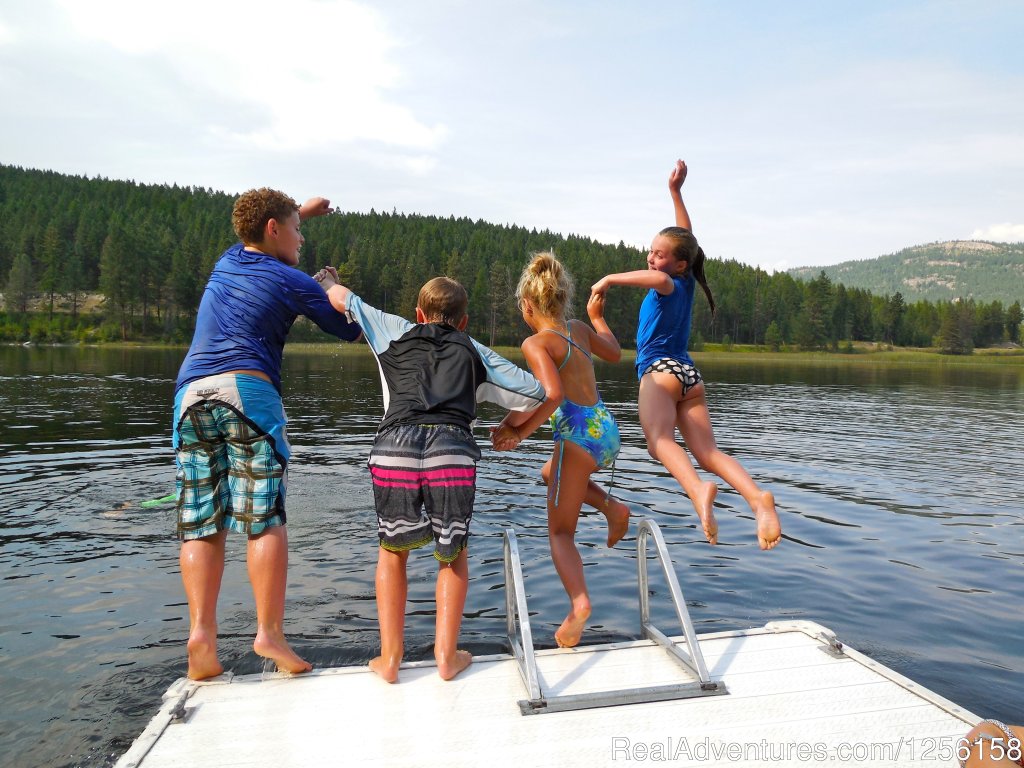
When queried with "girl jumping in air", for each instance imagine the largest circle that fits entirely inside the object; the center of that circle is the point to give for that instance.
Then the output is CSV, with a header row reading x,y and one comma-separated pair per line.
x,y
586,436
671,387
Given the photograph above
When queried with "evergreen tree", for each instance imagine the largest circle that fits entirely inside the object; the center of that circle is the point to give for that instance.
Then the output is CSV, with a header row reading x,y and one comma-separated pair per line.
x,y
990,322
186,278
955,333
892,316
117,274
19,284
73,282
1014,318
814,327
51,264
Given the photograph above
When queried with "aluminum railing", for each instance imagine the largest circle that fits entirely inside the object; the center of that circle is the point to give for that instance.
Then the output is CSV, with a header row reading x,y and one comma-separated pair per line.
x,y
520,637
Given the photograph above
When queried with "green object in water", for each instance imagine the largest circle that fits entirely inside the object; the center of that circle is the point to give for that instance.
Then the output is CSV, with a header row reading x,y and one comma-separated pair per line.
x,y
157,502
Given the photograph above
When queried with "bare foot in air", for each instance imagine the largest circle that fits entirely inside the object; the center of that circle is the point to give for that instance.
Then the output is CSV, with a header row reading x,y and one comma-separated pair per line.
x,y
769,530
569,634
387,670
704,503
617,514
202,655
276,649
448,669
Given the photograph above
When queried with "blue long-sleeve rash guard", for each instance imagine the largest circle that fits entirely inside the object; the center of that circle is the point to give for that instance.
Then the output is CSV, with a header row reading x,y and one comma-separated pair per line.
x,y
245,314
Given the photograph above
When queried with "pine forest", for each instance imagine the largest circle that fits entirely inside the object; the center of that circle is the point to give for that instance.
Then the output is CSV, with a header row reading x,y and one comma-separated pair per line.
x,y
97,260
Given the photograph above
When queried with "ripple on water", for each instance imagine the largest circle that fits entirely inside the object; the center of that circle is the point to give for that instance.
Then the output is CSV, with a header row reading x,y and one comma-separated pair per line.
x,y
893,538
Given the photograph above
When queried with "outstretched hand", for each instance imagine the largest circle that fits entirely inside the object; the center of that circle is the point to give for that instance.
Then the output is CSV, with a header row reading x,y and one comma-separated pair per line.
x,y
595,306
677,176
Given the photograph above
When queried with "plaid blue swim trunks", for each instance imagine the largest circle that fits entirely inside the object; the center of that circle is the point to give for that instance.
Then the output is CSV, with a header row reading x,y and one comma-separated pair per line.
x,y
231,451
424,483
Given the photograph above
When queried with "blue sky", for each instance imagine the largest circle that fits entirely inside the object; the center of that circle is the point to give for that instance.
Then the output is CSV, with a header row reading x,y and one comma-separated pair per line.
x,y
814,132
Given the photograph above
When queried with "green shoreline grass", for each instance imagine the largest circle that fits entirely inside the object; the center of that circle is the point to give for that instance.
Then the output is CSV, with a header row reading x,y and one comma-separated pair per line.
x,y
861,355
749,354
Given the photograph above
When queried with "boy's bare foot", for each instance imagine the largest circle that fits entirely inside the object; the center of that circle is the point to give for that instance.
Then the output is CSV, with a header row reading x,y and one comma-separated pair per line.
x,y
617,514
569,634
769,530
704,503
278,651
449,668
202,656
387,670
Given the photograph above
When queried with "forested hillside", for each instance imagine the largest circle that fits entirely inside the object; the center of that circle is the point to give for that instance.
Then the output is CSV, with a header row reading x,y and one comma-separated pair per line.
x,y
148,250
973,269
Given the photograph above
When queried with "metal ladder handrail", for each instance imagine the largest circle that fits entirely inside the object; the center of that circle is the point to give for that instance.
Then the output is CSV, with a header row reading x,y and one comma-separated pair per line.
x,y
694,661
516,613
517,617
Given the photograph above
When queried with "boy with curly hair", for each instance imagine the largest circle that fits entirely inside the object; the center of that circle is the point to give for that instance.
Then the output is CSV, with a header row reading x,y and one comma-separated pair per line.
x,y
229,431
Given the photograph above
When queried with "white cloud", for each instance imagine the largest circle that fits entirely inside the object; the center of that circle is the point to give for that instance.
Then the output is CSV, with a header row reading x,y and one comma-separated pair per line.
x,y
1000,233
263,75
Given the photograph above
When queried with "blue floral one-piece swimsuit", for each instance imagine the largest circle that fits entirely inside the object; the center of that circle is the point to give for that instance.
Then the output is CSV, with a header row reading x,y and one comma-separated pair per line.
x,y
591,427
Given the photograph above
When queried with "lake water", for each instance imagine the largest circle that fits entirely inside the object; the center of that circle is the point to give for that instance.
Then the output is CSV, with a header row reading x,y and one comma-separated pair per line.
x,y
899,489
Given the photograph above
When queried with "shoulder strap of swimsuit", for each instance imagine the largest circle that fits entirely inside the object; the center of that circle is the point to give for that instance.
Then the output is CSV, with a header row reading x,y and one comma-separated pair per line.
x,y
568,327
568,352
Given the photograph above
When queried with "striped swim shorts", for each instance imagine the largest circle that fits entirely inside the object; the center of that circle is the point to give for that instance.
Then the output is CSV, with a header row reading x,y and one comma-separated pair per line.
x,y
231,452
424,483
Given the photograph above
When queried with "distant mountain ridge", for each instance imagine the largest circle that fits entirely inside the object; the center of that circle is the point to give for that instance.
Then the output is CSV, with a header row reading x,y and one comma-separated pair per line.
x,y
977,269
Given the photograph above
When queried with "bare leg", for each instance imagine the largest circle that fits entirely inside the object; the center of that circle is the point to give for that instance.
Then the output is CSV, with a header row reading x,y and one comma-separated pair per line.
x,y
202,568
392,588
656,405
614,511
694,423
577,465
450,595
267,558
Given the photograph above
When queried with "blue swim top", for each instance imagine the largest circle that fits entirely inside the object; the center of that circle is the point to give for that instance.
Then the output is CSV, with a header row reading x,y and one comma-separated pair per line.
x,y
664,326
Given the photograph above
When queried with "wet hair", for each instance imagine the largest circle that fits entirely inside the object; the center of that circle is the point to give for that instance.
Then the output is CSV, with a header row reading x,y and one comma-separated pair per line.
x,y
443,300
547,285
685,248
255,208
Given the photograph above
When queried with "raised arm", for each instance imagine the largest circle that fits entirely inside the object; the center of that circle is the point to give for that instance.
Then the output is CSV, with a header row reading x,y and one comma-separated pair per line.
x,y
675,184
315,206
602,341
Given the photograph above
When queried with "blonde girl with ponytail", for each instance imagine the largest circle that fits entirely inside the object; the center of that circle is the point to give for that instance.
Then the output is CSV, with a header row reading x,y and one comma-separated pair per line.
x,y
560,354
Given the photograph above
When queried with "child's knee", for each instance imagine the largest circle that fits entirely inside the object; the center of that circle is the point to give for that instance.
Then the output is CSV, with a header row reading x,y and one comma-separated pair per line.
x,y
655,444
706,460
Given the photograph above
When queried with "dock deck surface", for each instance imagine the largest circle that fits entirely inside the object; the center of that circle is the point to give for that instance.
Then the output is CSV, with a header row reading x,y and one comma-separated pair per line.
x,y
792,700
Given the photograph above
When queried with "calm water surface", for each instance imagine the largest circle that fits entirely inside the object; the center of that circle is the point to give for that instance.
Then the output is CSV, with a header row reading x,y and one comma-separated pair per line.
x,y
900,492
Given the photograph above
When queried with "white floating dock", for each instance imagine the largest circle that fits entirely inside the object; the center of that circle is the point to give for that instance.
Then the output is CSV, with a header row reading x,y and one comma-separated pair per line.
x,y
788,693
790,700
